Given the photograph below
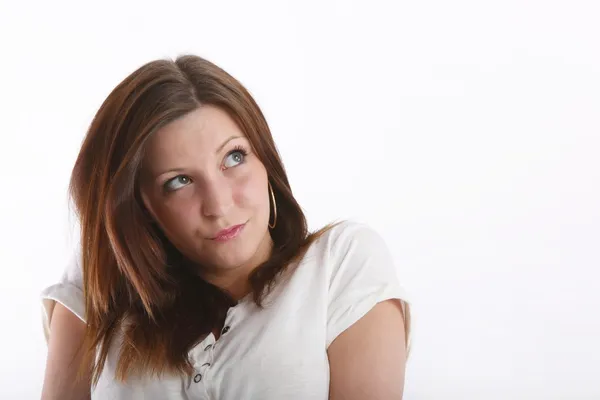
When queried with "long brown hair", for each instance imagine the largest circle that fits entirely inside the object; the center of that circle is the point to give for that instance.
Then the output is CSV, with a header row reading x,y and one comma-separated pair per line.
x,y
135,281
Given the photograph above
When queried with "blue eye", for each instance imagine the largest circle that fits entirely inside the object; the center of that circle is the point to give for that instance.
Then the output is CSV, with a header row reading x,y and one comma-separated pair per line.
x,y
178,179
239,154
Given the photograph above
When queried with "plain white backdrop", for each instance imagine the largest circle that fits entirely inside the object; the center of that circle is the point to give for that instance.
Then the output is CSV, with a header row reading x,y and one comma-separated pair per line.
x,y
466,132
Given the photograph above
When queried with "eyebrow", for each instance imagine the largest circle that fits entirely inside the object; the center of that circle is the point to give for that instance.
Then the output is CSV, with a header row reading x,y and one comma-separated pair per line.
x,y
225,142
216,152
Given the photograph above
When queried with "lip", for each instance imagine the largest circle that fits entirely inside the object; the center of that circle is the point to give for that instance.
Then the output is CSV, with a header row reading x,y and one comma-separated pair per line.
x,y
228,233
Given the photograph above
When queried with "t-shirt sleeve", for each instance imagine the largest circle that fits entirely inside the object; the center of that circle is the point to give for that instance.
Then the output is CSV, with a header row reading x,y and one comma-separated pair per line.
x,y
68,291
363,273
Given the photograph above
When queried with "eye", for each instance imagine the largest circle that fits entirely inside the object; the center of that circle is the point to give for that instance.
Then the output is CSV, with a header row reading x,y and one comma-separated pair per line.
x,y
238,155
170,185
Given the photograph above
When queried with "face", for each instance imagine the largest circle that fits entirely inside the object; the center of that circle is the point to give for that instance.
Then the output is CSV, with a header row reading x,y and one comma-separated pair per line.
x,y
200,176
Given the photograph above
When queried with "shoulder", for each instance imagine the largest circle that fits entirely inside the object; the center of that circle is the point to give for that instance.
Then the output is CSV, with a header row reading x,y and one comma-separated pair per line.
x,y
351,240
350,233
361,272
345,233
352,253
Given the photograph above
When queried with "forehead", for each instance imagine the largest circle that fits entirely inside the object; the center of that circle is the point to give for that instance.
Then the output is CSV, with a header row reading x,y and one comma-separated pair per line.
x,y
196,134
206,124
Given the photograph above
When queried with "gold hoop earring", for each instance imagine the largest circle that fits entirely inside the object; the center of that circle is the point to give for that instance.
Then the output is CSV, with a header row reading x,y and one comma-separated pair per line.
x,y
274,207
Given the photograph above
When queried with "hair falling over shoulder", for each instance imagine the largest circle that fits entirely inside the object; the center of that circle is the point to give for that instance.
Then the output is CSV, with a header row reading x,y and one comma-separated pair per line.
x,y
139,289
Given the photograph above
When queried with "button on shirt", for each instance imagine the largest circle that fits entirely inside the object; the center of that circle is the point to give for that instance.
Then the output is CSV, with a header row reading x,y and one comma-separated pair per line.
x,y
278,352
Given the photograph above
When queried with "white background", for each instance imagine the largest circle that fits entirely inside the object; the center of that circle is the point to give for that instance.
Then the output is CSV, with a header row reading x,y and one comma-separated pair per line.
x,y
466,132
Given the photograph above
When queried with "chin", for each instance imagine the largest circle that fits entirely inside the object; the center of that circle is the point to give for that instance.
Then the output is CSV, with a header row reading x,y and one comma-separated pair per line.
x,y
229,262
231,257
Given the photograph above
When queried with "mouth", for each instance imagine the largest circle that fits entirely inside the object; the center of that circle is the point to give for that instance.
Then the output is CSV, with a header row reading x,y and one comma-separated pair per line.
x,y
228,233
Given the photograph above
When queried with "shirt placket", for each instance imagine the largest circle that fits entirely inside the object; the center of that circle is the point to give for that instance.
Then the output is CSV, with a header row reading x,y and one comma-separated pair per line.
x,y
204,358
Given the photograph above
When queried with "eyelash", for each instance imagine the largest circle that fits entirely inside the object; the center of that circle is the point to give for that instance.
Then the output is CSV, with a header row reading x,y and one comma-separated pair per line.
x,y
237,149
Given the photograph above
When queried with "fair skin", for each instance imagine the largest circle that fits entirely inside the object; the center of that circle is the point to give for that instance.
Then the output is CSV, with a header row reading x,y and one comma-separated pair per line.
x,y
367,360
67,332
195,182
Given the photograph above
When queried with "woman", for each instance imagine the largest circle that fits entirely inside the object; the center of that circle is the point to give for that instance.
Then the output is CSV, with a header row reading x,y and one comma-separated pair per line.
x,y
196,276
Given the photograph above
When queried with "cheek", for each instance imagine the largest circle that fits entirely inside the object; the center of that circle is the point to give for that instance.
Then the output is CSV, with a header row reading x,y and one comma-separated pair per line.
x,y
250,189
175,214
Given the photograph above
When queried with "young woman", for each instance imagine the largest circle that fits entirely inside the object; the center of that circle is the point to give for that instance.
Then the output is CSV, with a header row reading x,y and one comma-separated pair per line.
x,y
196,276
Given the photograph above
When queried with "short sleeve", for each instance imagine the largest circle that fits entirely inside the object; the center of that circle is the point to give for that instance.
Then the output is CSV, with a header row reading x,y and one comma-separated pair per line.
x,y
68,291
363,273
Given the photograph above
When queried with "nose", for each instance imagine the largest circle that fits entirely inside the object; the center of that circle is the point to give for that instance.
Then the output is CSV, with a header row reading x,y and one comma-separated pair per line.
x,y
216,197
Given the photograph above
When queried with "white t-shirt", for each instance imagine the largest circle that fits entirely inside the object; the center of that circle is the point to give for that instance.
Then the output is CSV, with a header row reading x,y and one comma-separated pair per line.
x,y
275,353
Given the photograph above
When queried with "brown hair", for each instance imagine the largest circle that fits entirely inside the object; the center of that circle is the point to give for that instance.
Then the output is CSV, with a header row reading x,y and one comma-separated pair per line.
x,y
134,279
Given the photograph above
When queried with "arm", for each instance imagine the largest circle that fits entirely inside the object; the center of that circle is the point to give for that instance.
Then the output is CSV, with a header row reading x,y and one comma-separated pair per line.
x,y
367,360
66,333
